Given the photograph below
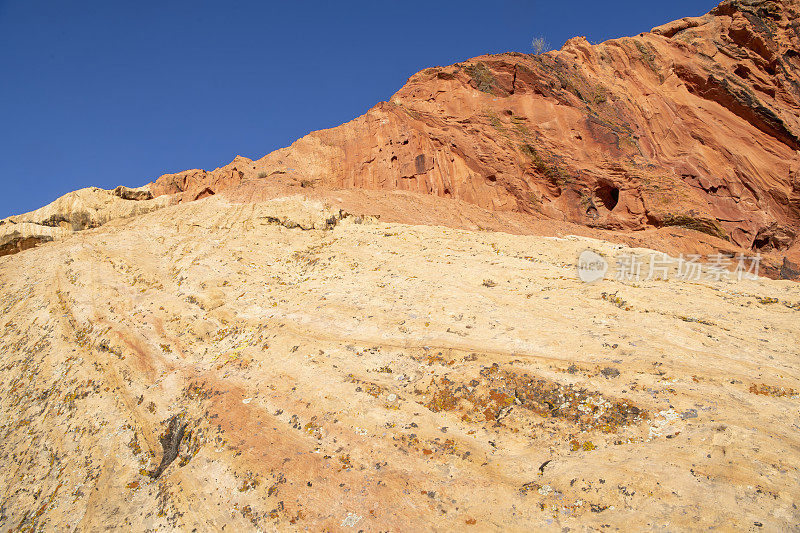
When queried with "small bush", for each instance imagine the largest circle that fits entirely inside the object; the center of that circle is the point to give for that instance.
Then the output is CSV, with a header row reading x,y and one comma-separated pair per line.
x,y
703,225
551,172
262,175
539,46
616,300
481,77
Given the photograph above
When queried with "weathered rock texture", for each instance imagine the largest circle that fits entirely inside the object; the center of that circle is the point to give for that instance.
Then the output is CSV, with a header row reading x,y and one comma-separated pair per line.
x,y
76,211
205,366
695,124
233,349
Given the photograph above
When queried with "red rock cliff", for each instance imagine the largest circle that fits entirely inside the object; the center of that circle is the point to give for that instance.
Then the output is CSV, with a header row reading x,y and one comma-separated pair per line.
x,y
694,124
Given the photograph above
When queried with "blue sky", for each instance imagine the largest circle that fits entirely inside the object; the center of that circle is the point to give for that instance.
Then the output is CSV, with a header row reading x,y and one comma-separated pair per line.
x,y
108,92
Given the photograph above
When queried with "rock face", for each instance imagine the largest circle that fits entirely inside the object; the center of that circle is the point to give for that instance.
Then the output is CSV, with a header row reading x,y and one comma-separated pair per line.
x,y
695,124
233,350
76,211
15,238
254,367
91,208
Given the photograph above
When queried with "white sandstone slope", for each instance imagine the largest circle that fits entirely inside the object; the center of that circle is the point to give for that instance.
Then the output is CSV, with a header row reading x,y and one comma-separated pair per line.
x,y
216,364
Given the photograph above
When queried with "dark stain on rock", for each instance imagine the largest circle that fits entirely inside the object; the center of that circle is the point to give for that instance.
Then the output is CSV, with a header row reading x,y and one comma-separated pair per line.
x,y
419,164
170,442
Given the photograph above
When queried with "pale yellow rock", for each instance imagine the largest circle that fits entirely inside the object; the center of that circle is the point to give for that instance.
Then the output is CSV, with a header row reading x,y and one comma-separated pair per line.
x,y
11,233
91,207
343,379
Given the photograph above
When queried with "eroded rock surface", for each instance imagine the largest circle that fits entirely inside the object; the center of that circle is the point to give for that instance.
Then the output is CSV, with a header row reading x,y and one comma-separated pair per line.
x,y
694,124
381,327
15,238
76,211
203,366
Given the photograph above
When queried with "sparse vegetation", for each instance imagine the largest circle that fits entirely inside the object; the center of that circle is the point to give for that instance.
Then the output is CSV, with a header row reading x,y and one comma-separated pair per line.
x,y
495,121
551,172
616,300
262,175
769,390
696,320
709,227
539,45
648,57
481,77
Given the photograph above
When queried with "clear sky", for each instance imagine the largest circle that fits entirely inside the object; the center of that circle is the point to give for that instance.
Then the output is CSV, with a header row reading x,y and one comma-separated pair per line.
x,y
109,92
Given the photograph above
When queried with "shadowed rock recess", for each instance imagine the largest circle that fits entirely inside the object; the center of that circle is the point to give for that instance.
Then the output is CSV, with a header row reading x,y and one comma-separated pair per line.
x,y
382,327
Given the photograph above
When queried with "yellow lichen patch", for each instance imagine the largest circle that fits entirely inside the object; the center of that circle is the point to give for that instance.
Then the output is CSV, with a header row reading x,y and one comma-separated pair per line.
x,y
234,359
199,391
431,358
373,390
766,300
442,398
696,320
249,482
133,444
344,460
497,392
616,300
587,446
433,447
768,390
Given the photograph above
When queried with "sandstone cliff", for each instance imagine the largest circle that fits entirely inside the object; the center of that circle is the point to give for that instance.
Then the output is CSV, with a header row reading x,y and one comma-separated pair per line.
x,y
76,211
382,327
695,125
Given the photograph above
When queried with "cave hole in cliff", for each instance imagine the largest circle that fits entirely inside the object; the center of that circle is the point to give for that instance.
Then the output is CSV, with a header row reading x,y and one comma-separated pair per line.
x,y
204,194
608,195
742,71
762,244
